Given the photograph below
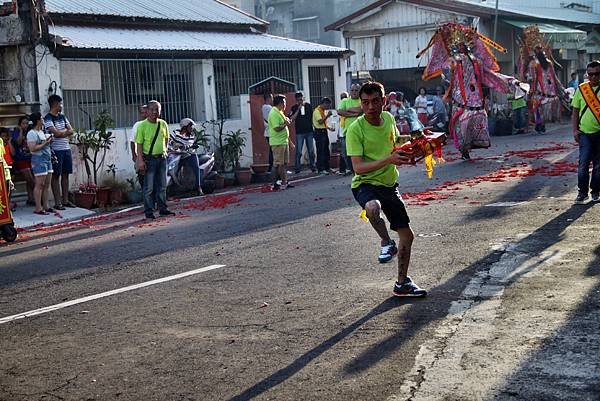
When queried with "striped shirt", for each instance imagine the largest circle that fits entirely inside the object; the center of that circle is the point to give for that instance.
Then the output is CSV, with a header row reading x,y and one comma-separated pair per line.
x,y
60,123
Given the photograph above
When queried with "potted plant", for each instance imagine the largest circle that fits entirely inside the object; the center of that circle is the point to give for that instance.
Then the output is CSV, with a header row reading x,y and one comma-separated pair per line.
x,y
134,194
92,146
85,196
116,188
235,142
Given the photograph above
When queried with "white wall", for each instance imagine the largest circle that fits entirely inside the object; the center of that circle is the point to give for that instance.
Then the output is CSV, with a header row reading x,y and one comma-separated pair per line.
x,y
48,71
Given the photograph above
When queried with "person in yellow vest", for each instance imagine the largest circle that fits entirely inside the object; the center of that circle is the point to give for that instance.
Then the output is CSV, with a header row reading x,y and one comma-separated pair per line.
x,y
319,120
279,140
586,131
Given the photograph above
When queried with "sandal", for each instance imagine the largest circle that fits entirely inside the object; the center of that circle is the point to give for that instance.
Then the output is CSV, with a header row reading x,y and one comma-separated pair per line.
x,y
41,213
69,204
50,210
57,207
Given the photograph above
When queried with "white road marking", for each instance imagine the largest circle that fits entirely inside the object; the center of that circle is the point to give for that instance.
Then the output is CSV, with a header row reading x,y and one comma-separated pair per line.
x,y
506,204
106,294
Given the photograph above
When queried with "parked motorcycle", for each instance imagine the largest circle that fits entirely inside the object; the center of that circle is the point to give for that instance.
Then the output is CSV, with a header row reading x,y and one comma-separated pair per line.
x,y
187,169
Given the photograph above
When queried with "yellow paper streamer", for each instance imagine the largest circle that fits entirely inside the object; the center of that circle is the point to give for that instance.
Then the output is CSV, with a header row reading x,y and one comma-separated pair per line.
x,y
363,215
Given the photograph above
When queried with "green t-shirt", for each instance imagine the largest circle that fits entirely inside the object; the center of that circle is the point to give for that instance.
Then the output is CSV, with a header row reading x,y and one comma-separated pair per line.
x,y
517,103
145,133
373,143
276,118
587,123
348,103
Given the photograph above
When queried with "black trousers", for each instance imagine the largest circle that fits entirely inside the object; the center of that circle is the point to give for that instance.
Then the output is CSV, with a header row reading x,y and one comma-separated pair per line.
x,y
322,142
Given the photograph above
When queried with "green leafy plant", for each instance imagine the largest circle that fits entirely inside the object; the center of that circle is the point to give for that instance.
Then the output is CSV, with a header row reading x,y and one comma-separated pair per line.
x,y
94,144
235,142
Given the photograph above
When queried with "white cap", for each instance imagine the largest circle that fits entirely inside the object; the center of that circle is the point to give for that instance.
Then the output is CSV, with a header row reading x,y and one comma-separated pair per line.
x,y
186,121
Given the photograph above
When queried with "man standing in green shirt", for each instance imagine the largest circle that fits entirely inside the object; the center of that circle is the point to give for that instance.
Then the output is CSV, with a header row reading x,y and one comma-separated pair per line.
x,y
279,140
370,143
519,112
151,139
586,131
350,110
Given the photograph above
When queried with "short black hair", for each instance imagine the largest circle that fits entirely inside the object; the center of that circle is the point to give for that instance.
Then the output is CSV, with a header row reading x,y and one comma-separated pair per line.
x,y
35,117
424,88
278,99
325,100
53,99
593,64
298,95
267,95
370,88
573,73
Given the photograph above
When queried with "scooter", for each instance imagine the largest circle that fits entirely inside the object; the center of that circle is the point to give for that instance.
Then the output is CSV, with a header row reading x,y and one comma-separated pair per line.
x,y
182,176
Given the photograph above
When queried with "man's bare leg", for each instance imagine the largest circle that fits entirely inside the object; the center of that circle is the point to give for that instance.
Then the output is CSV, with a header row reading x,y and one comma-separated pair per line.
x,y
373,209
405,240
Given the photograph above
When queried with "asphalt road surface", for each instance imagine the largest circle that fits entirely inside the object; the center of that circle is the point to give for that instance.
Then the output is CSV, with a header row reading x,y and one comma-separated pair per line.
x,y
279,296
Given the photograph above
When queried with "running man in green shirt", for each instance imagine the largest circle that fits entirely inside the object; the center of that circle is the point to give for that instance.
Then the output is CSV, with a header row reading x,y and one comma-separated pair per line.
x,y
370,143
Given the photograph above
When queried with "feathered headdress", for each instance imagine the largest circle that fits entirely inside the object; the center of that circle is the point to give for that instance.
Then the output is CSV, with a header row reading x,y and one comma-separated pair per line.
x,y
448,39
532,38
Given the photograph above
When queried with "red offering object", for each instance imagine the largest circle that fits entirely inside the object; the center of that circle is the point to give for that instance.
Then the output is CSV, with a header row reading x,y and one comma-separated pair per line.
x,y
425,146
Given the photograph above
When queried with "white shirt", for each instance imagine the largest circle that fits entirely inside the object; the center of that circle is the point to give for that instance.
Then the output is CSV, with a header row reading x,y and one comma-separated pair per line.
x,y
35,137
266,109
134,130
421,104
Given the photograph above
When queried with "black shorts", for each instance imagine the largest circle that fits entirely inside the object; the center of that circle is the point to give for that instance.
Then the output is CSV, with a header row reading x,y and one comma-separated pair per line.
x,y
391,201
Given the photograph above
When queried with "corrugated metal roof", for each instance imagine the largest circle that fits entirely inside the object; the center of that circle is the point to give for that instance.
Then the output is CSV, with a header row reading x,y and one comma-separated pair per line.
x,y
139,39
526,9
179,10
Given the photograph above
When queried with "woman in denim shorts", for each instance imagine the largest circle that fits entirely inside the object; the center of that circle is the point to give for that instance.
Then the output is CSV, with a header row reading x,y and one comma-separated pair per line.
x,y
41,165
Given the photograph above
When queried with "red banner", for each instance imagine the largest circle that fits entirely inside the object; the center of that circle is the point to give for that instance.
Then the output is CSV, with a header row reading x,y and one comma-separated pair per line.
x,y
5,216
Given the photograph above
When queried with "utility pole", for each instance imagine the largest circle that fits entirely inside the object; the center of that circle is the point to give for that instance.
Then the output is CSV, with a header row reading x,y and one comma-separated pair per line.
x,y
496,20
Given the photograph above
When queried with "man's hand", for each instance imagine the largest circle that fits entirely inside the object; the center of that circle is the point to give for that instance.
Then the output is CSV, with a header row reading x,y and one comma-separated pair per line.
x,y
400,157
576,136
141,165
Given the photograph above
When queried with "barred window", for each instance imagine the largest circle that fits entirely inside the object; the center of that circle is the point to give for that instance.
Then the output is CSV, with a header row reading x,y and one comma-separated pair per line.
x,y
233,77
125,84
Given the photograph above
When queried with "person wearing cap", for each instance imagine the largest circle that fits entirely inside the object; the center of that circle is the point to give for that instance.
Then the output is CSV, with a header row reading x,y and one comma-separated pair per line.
x,y
193,162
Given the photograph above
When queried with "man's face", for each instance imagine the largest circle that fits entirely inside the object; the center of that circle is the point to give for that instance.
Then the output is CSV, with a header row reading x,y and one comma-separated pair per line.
x,y
594,75
58,106
269,100
153,111
300,99
371,104
144,112
354,91
282,105
4,135
326,105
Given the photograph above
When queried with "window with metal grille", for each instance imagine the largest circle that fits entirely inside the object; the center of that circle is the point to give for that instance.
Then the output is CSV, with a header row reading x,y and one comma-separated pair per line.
x,y
233,77
125,84
320,80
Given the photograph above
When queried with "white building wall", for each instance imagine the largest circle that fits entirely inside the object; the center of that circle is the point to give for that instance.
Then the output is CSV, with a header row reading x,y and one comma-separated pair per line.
x,y
48,72
120,154
401,29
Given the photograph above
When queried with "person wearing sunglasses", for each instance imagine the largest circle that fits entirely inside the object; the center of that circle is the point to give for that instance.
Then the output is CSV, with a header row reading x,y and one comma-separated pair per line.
x,y
586,131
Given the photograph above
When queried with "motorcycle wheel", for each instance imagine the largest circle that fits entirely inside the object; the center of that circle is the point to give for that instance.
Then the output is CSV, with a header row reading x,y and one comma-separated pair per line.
x,y
9,232
208,187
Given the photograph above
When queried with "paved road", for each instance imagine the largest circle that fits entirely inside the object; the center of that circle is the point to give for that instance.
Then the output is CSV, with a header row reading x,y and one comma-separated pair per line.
x,y
301,310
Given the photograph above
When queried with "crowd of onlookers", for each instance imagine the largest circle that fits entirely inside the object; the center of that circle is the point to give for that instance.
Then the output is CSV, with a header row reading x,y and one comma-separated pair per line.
x,y
38,149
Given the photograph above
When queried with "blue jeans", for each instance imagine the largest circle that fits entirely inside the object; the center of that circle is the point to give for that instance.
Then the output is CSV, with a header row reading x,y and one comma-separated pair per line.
x,y
347,160
155,184
300,139
520,118
589,151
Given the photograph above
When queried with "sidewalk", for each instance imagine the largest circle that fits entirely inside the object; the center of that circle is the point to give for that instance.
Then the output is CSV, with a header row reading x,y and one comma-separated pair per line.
x,y
24,217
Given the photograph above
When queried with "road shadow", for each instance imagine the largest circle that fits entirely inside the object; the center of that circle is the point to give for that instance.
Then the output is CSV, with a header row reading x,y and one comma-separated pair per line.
x,y
527,189
567,365
421,313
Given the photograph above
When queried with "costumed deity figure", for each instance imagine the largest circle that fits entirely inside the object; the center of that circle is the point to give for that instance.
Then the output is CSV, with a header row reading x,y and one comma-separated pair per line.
x,y
546,92
463,57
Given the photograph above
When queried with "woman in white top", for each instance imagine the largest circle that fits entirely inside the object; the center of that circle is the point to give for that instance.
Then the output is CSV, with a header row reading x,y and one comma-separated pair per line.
x,y
421,106
41,166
